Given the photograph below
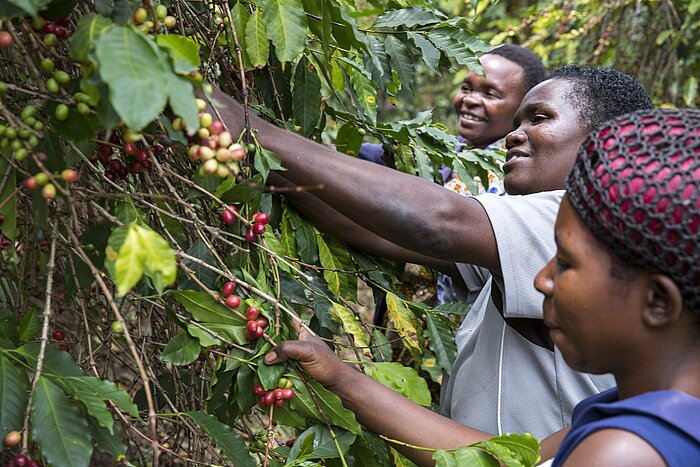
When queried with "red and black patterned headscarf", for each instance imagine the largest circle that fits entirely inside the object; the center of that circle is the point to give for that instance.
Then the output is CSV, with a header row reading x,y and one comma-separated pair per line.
x,y
636,185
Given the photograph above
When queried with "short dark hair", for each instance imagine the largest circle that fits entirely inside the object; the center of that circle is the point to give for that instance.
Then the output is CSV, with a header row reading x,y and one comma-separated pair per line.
x,y
534,71
602,94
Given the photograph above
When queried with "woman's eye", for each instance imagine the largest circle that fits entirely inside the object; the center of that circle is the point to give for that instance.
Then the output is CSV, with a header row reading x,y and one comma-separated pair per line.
x,y
538,118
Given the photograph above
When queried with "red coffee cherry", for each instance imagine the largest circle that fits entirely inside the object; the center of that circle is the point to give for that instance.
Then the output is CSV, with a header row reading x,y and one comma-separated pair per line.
x,y
279,403
228,288
259,333
12,439
233,301
287,393
262,322
279,393
259,228
252,312
59,335
259,390
64,347
251,236
269,398
252,326
261,217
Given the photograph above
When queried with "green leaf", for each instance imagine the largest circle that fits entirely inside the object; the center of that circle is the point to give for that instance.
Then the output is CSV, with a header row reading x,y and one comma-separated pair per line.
x,y
29,6
9,209
270,374
306,241
307,97
406,17
206,276
460,45
285,22
30,325
81,41
55,362
13,396
331,404
240,17
335,279
143,251
424,165
348,140
231,445
8,327
400,60
58,427
257,45
366,93
183,51
323,446
203,308
265,161
404,320
106,441
92,392
181,350
134,68
431,55
470,456
442,342
104,7
690,91
454,308
402,379
513,450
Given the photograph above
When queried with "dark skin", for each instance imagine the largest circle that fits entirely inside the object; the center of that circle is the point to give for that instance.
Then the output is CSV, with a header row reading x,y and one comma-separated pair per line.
x,y
414,214
636,328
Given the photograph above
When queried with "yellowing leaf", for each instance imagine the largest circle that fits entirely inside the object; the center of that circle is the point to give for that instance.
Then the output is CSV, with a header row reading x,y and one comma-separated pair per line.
x,y
404,320
352,326
129,265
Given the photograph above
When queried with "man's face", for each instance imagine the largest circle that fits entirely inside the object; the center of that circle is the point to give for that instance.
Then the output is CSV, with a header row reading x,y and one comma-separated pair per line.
x,y
486,104
542,149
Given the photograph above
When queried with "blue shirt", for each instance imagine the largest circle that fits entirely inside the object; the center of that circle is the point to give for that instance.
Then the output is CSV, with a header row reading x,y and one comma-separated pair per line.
x,y
668,420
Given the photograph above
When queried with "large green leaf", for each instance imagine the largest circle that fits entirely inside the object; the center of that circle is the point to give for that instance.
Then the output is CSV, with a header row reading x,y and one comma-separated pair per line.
x,y
365,91
231,445
470,456
55,362
257,45
13,396
29,6
307,97
204,309
240,16
400,60
402,379
431,55
285,22
183,51
106,441
93,392
181,350
460,45
442,342
324,446
331,404
58,427
135,70
82,40
406,17
521,450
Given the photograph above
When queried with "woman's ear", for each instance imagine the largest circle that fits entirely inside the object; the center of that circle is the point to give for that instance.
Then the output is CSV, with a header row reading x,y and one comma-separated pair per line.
x,y
664,302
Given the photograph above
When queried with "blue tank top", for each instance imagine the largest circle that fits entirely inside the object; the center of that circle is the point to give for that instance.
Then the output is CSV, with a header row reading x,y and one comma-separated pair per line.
x,y
668,420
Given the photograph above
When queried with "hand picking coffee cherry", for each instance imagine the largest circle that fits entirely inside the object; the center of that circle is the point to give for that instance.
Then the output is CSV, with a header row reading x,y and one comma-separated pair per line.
x,y
228,288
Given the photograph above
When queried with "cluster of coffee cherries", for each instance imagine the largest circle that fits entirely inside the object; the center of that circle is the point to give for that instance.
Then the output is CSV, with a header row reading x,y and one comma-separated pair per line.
x,y
215,147
20,139
12,439
146,25
277,396
53,32
258,222
124,156
255,327
48,190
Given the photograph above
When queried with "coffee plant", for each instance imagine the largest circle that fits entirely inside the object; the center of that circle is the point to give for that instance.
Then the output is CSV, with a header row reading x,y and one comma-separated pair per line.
x,y
146,265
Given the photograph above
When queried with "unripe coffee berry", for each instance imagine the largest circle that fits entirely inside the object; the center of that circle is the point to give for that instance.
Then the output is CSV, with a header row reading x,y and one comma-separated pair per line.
x,y
41,179
169,22
237,152
31,183
232,301
47,65
228,288
49,191
117,327
140,15
12,439
61,112
5,39
61,77
69,175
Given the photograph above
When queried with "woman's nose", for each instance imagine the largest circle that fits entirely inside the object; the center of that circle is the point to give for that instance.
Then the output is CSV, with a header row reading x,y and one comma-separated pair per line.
x,y
544,282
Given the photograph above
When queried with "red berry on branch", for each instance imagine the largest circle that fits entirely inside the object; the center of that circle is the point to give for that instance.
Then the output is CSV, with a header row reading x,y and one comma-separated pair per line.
x,y
261,217
261,400
259,228
279,403
111,175
252,326
136,167
141,155
269,398
69,175
64,347
59,335
216,127
147,164
287,393
259,332
227,215
290,443
115,164
31,183
232,301
252,312
130,149
62,32
105,151
248,336
33,463
251,236
237,152
228,288
12,439
279,394
262,322
5,39
157,149
49,28
20,461
259,390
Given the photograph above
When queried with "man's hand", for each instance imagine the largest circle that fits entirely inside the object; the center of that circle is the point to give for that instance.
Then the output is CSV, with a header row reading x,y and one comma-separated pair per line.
x,y
314,355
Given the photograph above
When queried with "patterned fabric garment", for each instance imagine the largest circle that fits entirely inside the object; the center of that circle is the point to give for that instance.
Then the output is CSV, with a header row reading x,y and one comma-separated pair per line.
x,y
445,289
